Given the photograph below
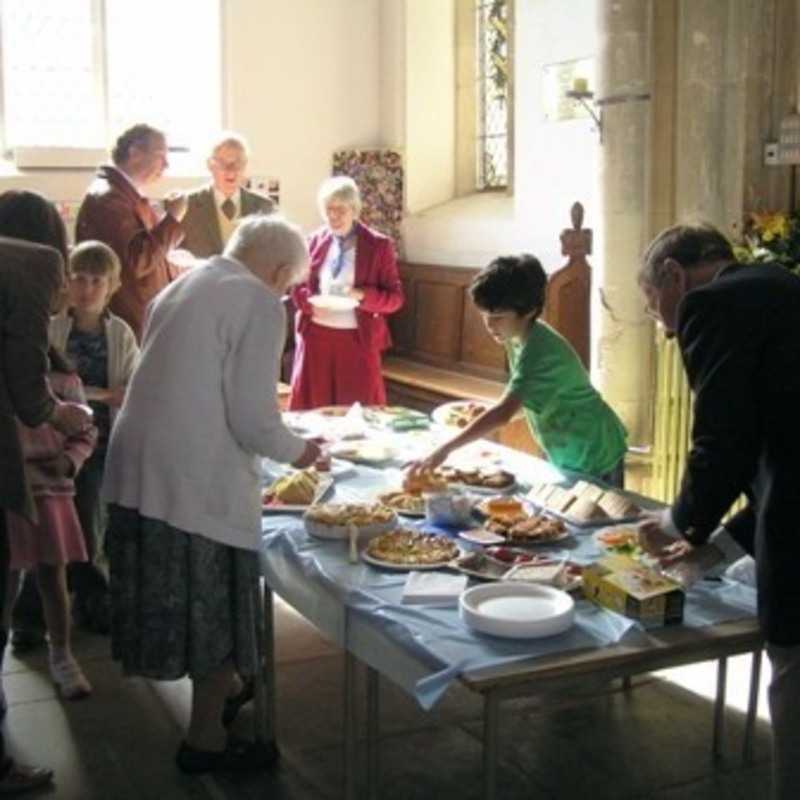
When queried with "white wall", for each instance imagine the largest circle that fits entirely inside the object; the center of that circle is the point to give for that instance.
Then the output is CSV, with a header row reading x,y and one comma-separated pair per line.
x,y
301,80
430,102
555,163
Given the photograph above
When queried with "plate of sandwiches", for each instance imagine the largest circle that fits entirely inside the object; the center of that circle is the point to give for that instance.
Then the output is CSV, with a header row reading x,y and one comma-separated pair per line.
x,y
295,491
335,520
405,550
481,480
584,504
515,521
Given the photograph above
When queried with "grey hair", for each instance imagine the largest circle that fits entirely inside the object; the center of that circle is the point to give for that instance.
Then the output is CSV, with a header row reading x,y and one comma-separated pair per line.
x,y
229,139
689,245
269,240
341,188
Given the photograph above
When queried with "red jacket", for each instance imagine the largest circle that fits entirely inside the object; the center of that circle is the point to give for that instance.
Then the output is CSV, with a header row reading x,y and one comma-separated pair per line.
x,y
115,213
375,273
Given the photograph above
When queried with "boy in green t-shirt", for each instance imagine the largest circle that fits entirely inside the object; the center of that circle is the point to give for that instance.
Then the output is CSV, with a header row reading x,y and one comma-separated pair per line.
x,y
574,425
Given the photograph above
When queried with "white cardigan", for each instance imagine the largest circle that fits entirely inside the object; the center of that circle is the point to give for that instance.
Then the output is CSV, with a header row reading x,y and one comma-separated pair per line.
x,y
121,343
202,406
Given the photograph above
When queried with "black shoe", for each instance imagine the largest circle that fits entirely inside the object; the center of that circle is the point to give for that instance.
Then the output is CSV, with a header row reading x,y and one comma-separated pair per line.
x,y
239,755
23,640
234,704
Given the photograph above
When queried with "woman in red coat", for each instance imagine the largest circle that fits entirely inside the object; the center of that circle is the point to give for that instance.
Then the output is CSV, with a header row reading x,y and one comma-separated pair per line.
x,y
340,325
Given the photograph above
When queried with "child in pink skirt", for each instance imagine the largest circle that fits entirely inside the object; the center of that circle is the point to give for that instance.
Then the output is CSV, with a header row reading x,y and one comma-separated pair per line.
x,y
52,461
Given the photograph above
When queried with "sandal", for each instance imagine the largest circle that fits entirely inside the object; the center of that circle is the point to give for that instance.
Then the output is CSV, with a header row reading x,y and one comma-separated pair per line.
x,y
239,755
234,703
15,777
70,680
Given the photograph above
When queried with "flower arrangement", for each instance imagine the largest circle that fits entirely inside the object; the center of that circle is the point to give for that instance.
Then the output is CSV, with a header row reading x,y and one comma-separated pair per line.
x,y
771,237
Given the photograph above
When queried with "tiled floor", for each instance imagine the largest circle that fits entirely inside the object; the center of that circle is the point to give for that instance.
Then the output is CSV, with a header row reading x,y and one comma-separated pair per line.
x,y
651,742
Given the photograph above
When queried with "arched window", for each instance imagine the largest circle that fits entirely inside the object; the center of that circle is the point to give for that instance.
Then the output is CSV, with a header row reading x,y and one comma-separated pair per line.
x,y
493,94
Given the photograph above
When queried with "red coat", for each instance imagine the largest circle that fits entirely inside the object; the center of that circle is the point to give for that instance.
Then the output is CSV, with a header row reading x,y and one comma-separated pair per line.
x,y
375,273
115,213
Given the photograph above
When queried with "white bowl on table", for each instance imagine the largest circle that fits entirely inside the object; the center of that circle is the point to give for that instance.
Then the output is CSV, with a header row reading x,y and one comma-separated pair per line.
x,y
517,610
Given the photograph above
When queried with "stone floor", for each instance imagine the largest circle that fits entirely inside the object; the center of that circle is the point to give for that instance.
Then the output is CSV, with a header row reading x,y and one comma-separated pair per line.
x,y
650,742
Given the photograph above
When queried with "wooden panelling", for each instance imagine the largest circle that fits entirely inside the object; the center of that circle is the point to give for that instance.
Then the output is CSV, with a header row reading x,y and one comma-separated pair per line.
x,y
439,314
439,324
477,347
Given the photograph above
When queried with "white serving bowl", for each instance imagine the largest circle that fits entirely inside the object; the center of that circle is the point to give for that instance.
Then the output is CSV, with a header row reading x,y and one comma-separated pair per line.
x,y
517,610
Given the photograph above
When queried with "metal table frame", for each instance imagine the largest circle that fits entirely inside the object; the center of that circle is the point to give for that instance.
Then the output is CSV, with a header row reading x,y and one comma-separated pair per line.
x,y
669,647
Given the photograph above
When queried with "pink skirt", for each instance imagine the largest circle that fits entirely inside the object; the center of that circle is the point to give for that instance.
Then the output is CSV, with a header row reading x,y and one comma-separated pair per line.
x,y
57,539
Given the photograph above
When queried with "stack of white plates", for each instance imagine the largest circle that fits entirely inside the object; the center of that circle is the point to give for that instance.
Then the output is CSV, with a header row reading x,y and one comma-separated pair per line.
x,y
517,610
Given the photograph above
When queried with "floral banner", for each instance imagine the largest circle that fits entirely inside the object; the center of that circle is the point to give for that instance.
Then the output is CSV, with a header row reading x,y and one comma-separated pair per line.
x,y
379,176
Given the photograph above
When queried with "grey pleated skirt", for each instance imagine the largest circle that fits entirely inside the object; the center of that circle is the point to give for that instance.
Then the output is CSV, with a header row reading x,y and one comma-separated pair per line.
x,y
181,604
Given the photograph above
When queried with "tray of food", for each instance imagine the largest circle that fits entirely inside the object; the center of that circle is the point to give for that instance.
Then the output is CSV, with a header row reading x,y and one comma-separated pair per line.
x,y
407,550
334,520
458,413
510,563
481,480
585,504
295,491
515,521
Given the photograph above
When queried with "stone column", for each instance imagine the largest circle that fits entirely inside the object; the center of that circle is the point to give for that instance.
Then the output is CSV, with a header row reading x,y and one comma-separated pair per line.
x,y
623,341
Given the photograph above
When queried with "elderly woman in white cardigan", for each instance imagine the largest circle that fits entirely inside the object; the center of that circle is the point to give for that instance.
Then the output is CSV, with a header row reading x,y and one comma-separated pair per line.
x,y
182,478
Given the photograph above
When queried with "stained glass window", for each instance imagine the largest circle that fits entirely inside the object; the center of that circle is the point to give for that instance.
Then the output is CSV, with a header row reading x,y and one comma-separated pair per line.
x,y
493,38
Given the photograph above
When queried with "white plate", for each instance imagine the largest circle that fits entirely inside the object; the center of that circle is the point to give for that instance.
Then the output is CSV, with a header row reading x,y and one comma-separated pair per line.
x,y
325,484
440,413
517,610
482,536
363,452
333,302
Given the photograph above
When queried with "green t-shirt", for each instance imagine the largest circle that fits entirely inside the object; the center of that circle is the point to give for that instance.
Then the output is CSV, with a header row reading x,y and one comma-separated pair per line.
x,y
577,429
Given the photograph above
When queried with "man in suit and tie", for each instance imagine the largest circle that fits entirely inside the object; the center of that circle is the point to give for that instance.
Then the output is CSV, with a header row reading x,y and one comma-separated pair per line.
x,y
214,211
738,328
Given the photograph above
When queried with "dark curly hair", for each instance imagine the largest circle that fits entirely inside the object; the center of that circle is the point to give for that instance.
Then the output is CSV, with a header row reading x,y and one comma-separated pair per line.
x,y
137,136
511,283
32,217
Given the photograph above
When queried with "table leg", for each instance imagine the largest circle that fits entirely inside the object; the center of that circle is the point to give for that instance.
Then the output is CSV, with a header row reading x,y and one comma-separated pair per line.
x,y
350,745
491,715
373,732
265,663
752,707
719,707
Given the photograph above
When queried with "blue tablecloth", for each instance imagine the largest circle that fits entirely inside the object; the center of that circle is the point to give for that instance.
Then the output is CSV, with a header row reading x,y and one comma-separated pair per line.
x,y
424,648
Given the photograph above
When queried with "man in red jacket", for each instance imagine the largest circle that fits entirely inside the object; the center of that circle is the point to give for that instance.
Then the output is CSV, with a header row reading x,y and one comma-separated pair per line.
x,y
116,211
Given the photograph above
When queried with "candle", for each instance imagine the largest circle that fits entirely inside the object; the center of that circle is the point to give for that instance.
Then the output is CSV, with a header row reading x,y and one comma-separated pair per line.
x,y
580,85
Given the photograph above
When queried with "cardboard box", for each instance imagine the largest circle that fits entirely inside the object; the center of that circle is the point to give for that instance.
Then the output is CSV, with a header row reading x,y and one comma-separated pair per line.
x,y
628,587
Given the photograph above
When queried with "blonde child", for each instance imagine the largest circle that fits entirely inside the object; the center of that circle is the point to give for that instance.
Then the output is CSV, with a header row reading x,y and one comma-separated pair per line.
x,y
52,460
103,349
